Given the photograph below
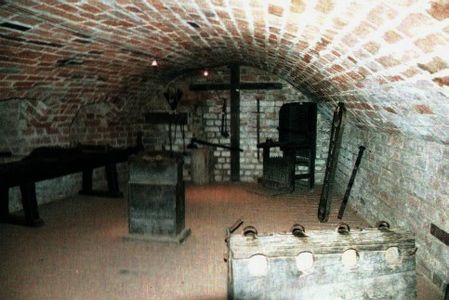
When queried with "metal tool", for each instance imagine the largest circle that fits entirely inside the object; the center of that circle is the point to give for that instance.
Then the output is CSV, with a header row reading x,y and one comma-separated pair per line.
x,y
258,127
173,96
350,183
224,120
331,162
194,141
232,228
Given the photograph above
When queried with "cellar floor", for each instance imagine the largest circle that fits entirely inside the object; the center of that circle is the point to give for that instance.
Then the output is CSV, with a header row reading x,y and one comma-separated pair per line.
x,y
80,252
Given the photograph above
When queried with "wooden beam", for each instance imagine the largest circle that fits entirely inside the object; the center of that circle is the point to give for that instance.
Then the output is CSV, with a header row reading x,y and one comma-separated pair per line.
x,y
210,87
260,86
242,86
165,118
235,122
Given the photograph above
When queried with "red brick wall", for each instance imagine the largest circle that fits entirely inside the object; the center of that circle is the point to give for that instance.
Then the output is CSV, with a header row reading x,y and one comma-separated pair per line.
x,y
387,60
100,123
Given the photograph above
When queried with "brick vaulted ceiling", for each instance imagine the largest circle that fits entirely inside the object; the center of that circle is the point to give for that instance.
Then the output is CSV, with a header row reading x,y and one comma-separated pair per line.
x,y
387,60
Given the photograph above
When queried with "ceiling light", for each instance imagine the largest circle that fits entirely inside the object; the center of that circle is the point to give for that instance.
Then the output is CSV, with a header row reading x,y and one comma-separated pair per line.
x,y
205,73
154,63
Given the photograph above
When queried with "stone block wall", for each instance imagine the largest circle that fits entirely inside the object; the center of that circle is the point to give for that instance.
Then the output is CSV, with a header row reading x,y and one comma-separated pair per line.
x,y
100,123
9,126
270,104
65,186
29,123
404,181
204,120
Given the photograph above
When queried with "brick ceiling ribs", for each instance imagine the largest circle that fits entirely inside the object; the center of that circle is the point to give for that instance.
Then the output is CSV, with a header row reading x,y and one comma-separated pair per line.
x,y
387,60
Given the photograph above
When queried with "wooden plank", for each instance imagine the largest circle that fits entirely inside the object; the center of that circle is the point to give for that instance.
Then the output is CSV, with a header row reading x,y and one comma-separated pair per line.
x,y
320,242
165,118
242,86
235,122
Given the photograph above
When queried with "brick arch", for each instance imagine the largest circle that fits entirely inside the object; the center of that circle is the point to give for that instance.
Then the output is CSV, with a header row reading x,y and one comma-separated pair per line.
x,y
386,60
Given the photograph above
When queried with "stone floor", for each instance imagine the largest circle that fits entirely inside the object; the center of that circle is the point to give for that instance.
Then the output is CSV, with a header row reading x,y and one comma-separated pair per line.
x,y
80,252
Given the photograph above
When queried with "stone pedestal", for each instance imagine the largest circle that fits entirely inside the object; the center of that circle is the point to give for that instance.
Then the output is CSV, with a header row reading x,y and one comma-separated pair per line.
x,y
364,264
156,200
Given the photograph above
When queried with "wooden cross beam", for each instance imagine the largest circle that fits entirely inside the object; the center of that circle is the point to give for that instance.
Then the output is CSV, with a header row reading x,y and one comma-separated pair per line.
x,y
243,86
234,89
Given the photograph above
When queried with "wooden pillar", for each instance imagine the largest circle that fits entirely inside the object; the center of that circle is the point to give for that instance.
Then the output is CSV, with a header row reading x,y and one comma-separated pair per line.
x,y
235,122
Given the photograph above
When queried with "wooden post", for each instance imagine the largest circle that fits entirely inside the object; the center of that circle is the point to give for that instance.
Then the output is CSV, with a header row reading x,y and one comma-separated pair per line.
x,y
235,122
234,89
29,203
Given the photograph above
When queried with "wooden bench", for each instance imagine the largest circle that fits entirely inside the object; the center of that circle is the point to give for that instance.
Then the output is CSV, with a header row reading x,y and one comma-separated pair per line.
x,y
51,162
